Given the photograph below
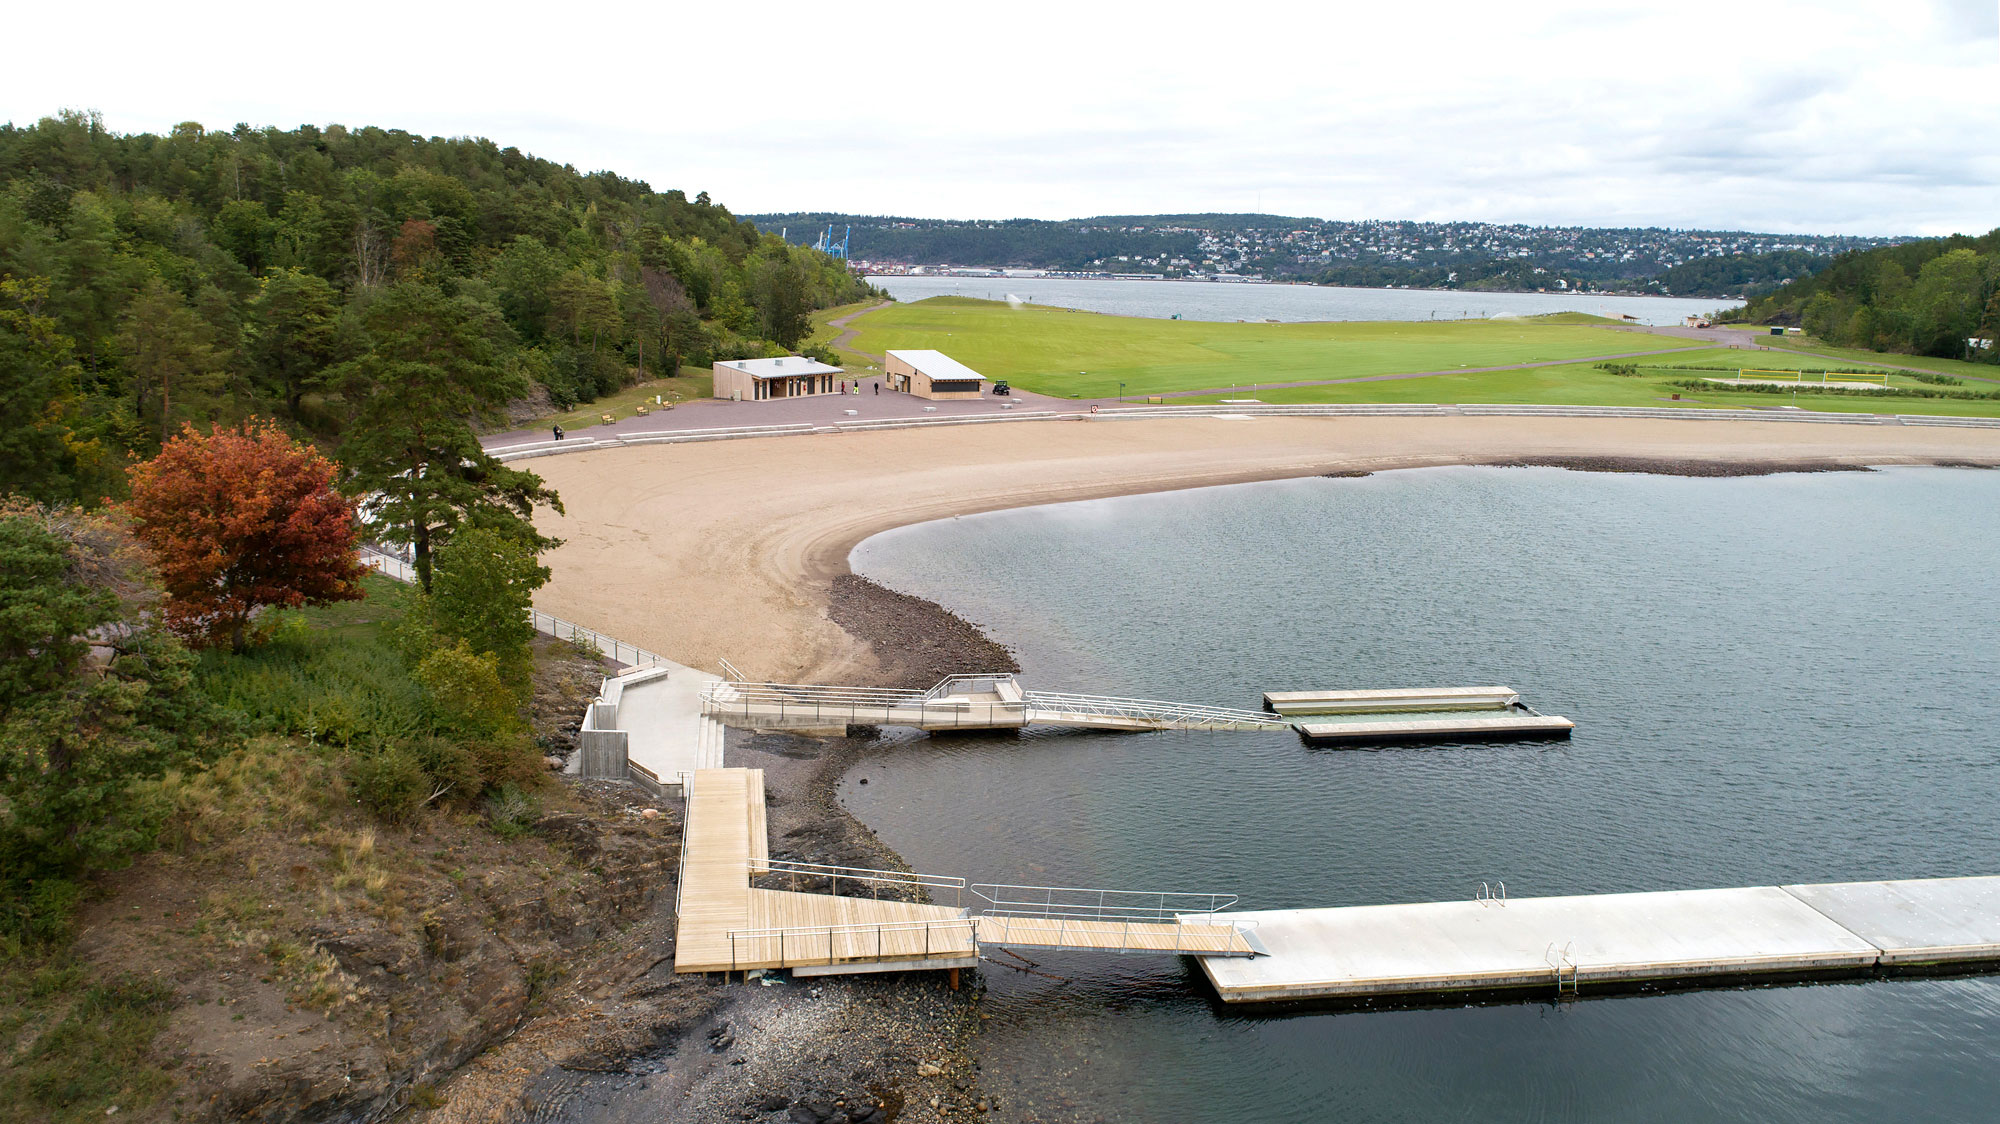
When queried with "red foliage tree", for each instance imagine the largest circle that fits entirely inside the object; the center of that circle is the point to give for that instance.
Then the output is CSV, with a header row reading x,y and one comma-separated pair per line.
x,y
237,519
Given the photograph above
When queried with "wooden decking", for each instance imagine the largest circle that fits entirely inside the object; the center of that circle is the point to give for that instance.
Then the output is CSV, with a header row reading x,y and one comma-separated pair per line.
x,y
1191,937
727,925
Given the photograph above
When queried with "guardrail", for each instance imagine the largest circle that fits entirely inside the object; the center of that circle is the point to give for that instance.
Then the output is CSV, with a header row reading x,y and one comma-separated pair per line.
x,y
1000,929
1088,904
1148,710
875,879
824,944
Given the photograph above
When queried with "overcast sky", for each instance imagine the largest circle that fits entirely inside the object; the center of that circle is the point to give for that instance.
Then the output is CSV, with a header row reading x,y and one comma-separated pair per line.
x,y
1837,116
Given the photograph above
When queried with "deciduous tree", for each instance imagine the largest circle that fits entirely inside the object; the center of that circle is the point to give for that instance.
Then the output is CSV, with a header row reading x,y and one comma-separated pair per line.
x,y
240,519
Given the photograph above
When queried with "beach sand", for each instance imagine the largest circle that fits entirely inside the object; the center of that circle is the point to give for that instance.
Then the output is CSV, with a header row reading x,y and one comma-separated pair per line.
x,y
730,549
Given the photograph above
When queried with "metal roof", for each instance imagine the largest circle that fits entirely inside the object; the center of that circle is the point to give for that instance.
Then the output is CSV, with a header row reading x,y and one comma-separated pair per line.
x,y
938,365
780,368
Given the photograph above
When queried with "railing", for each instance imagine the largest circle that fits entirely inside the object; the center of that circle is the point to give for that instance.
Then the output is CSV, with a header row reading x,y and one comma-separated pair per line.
x,y
874,879
781,704
729,672
613,648
1084,904
1149,710
1087,934
833,944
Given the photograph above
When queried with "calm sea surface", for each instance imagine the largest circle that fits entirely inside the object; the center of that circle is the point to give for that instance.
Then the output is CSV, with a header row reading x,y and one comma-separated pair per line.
x,y
1202,300
1789,678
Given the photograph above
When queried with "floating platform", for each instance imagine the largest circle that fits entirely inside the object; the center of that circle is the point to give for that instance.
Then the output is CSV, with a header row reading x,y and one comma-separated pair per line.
x,y
1475,727
1290,703
1612,941
1416,714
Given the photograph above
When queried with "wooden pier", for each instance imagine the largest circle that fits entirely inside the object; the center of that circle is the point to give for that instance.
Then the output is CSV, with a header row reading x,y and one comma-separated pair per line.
x,y
1613,941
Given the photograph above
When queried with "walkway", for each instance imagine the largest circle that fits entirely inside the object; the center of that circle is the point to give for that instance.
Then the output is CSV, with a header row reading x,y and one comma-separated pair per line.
x,y
961,702
1564,944
727,923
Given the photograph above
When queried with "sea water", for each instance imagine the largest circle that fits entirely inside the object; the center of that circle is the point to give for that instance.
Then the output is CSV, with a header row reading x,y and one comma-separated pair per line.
x,y
1774,679
1207,300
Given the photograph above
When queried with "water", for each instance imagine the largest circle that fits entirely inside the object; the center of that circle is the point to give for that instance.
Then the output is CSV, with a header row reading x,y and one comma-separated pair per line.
x,y
1776,679
1201,300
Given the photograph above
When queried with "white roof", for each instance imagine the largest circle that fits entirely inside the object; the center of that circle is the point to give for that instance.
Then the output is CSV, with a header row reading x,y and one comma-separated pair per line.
x,y
780,368
938,365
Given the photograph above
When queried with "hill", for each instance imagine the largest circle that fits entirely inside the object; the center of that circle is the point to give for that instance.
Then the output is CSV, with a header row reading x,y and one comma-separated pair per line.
x,y
210,275
1928,297
1453,255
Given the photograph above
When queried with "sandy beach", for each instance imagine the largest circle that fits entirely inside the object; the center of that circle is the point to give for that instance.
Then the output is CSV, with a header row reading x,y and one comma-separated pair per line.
x,y
729,550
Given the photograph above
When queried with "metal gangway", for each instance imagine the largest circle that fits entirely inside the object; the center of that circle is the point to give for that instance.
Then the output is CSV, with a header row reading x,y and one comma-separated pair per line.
x,y
989,701
1078,919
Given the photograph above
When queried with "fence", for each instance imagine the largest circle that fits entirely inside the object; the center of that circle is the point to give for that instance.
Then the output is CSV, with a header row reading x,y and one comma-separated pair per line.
x,y
612,648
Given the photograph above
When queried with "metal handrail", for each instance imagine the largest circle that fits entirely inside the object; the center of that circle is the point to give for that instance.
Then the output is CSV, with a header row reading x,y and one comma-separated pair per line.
x,y
1094,904
1116,707
859,874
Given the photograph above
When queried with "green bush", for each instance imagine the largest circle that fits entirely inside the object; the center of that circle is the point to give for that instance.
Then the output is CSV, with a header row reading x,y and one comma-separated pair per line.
x,y
390,782
511,812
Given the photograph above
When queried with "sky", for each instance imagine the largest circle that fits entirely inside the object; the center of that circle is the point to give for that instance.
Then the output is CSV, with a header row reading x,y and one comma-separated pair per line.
x,y
1834,116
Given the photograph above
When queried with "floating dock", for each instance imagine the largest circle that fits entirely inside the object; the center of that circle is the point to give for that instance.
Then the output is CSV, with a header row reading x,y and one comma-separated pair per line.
x,y
1420,714
1612,941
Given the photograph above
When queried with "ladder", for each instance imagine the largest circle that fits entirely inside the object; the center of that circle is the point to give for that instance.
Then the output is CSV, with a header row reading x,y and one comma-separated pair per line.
x,y
1563,961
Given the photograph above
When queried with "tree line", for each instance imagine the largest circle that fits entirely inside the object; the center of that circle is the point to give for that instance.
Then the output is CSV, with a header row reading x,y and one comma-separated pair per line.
x,y
204,276
1930,297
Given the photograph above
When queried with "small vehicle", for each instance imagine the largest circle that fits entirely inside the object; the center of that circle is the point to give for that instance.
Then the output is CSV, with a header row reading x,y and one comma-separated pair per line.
x,y
1002,389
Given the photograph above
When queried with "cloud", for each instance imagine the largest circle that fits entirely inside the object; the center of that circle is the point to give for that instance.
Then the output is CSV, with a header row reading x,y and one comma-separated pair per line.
x,y
1846,116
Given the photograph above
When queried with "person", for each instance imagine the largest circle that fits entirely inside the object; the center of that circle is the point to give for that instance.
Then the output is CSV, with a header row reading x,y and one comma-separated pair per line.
x,y
558,430
878,388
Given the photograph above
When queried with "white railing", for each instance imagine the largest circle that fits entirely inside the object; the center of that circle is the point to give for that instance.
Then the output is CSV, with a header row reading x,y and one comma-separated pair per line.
x,y
1051,704
1091,904
1117,934
873,879
833,944
611,647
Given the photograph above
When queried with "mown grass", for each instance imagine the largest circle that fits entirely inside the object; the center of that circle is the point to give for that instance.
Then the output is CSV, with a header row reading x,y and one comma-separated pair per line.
x,y
1587,384
689,384
1069,353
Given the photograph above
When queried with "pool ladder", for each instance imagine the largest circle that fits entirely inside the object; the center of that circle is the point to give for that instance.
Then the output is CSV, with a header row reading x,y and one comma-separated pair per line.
x,y
1491,895
1564,962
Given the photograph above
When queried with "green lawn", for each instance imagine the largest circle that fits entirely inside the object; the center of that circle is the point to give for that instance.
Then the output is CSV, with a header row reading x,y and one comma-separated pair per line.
x,y
691,383
1084,354
1584,384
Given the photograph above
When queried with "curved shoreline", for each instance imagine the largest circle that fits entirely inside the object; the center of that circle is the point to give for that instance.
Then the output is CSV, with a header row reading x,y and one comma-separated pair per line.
x,y
720,550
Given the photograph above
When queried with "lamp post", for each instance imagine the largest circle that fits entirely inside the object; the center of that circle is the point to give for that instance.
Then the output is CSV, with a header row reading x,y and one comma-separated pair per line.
x,y
1121,392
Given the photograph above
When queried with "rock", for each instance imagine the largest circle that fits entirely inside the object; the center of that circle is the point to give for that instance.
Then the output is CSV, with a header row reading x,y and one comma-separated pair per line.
x,y
770,1102
553,763
926,1069
983,1105
649,814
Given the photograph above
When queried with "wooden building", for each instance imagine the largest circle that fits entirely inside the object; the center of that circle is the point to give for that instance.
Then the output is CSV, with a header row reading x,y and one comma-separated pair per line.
x,y
794,376
931,374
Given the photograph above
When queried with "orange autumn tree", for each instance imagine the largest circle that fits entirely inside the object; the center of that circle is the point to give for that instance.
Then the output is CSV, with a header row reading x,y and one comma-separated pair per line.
x,y
240,519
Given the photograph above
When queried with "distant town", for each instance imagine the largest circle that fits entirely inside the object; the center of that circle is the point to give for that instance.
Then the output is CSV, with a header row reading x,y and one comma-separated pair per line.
x,y
1249,248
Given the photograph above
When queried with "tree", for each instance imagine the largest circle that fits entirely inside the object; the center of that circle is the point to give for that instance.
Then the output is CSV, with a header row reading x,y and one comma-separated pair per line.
x,y
241,519
483,587
779,291
296,334
92,702
38,451
166,347
431,367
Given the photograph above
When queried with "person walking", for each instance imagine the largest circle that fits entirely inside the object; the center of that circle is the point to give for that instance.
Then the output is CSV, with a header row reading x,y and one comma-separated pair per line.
x,y
878,388
558,432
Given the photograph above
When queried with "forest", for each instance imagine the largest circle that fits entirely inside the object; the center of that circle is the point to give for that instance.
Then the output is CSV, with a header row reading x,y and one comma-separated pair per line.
x,y
1937,296
207,276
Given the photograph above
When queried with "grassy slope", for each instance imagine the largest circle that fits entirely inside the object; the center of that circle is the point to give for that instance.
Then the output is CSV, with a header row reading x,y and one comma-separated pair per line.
x,y
1044,349
1584,384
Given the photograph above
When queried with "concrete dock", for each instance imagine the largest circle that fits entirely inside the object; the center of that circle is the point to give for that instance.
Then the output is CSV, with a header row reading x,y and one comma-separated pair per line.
x,y
1478,727
1611,941
1391,701
1408,714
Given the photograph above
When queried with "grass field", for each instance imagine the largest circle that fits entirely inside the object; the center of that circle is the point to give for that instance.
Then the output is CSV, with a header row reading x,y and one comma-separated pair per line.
x,y
1585,384
691,383
1084,354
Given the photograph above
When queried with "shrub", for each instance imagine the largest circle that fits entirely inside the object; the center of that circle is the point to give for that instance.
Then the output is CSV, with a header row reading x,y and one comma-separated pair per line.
x,y
390,782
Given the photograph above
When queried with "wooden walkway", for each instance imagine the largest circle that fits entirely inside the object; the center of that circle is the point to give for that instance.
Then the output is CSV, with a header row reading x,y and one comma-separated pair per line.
x,y
726,924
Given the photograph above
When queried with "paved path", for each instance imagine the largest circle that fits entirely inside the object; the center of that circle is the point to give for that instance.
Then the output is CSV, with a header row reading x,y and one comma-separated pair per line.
x,y
846,335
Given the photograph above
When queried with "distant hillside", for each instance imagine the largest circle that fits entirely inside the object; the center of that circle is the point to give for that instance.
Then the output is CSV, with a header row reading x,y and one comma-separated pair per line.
x,y
1372,254
1927,297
